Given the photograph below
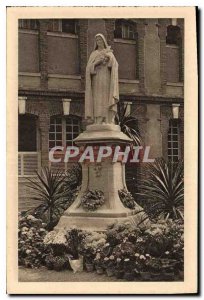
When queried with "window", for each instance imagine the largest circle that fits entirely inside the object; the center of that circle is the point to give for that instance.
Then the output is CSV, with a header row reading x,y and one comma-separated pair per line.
x,y
173,35
125,30
174,54
63,25
63,130
28,24
27,133
69,26
55,133
173,140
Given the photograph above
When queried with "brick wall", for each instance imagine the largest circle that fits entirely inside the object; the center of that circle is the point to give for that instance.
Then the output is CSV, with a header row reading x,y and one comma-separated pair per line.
x,y
172,64
28,54
181,50
141,34
43,53
83,27
163,23
109,25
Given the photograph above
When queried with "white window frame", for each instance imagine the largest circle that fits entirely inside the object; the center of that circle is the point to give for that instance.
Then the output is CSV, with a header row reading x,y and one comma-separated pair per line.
x,y
23,21
59,25
129,30
173,157
64,132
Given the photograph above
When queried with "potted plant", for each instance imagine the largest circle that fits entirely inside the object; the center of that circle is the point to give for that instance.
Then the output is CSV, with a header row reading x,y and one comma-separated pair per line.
x,y
129,269
119,269
89,246
74,238
98,263
109,264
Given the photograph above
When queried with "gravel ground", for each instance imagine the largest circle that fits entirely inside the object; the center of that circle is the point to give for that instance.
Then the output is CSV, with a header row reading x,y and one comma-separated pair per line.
x,y
45,275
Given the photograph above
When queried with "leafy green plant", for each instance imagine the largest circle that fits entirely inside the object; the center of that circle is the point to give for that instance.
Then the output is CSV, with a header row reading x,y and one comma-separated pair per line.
x,y
31,249
128,124
162,188
73,177
92,200
74,239
52,194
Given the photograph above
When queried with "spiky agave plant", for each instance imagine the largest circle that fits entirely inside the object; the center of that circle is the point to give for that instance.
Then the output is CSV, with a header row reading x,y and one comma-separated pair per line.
x,y
163,189
50,190
128,124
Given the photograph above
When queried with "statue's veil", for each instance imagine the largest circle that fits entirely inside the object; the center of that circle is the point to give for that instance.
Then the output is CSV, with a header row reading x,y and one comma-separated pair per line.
x,y
104,40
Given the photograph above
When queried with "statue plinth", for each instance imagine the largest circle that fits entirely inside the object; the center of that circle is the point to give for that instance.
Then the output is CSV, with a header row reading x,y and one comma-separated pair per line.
x,y
106,176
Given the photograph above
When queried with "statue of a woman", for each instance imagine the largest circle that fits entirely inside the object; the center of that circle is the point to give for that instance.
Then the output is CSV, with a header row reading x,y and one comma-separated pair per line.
x,y
101,95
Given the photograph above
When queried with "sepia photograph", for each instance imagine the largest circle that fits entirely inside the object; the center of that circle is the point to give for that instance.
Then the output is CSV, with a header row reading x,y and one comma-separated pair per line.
x,y
100,148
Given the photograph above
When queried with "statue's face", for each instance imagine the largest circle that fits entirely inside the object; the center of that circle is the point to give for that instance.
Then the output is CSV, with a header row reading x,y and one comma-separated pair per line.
x,y
100,42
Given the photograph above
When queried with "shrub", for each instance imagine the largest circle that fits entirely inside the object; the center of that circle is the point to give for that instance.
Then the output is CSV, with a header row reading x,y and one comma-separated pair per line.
x,y
128,125
56,191
52,193
31,249
163,189
73,177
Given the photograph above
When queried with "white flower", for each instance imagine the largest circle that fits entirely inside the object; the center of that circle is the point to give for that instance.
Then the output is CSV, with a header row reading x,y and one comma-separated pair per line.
x,y
167,252
142,257
24,228
111,257
60,238
147,255
126,259
137,254
98,256
49,238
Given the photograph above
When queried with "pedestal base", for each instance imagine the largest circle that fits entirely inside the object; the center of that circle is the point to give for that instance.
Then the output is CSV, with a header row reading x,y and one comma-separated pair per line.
x,y
107,177
99,222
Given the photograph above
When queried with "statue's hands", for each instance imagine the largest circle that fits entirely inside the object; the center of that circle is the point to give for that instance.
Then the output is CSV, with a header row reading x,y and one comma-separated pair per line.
x,y
99,60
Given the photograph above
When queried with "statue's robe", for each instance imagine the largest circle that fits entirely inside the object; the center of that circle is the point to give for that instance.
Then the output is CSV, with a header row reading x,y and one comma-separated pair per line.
x,y
102,93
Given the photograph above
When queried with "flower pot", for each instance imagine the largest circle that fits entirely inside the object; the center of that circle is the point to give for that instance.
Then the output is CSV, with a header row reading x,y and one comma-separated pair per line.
x,y
119,274
110,272
129,276
99,270
146,276
76,264
156,277
181,275
89,267
58,268
168,276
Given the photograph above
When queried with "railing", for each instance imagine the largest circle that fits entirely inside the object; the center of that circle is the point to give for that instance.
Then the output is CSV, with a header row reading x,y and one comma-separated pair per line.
x,y
28,163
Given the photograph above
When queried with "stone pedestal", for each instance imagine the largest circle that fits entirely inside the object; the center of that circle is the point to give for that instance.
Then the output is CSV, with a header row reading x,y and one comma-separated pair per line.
x,y
106,176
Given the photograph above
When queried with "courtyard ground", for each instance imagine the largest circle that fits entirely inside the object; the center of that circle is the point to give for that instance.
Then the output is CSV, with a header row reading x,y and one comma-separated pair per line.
x,y
45,275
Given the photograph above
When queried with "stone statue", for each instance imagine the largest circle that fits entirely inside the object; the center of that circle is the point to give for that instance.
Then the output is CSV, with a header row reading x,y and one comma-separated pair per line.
x,y
101,95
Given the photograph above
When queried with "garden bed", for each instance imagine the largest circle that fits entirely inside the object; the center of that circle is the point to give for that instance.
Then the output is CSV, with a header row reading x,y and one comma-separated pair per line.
x,y
153,253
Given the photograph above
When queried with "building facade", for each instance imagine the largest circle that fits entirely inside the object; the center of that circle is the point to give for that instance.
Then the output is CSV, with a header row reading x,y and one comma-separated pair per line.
x,y
53,54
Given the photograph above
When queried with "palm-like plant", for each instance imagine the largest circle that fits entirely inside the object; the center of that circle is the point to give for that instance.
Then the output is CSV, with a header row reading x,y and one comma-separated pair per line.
x,y
128,124
51,192
163,189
